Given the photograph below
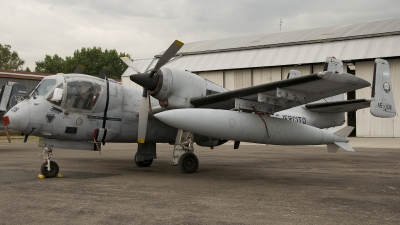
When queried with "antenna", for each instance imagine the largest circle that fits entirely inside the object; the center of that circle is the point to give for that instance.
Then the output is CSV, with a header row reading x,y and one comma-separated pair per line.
x,y
280,24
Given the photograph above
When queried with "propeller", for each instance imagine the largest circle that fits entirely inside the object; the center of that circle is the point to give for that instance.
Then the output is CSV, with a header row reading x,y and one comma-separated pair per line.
x,y
6,121
80,69
7,134
149,82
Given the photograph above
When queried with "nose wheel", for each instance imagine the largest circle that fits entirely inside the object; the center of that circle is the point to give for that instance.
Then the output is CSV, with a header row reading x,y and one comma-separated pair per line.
x,y
49,169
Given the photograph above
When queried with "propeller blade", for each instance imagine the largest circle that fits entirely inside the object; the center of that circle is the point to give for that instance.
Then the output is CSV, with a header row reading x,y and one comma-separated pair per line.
x,y
129,63
171,51
143,115
80,69
103,74
7,133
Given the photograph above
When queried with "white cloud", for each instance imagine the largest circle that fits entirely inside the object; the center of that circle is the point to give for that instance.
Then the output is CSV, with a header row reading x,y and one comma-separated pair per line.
x,y
145,28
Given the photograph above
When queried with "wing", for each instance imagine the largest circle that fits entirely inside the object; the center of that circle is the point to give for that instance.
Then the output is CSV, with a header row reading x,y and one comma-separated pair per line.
x,y
280,95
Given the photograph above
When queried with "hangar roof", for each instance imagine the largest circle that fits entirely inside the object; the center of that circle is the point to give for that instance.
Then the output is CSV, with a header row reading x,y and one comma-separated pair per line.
x,y
22,75
348,42
317,35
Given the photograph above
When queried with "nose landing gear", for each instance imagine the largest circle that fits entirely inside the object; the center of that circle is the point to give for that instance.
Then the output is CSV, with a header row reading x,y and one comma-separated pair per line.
x,y
49,169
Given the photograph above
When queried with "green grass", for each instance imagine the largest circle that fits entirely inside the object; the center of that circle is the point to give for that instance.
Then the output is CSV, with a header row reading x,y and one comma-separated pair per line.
x,y
19,139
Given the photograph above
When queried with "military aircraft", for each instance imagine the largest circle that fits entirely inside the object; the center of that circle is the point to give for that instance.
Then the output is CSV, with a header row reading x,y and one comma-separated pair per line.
x,y
76,111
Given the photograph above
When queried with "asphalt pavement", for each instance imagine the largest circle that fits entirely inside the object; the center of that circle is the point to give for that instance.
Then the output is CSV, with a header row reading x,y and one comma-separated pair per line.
x,y
256,184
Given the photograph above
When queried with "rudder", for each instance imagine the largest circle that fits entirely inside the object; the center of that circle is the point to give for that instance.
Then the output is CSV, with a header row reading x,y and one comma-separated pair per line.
x,y
382,104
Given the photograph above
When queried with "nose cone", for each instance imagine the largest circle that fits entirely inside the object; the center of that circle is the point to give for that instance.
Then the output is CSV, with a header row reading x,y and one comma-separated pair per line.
x,y
172,117
18,116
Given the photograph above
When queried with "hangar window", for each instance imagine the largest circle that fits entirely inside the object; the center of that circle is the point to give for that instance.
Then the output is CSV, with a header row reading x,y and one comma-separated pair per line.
x,y
82,94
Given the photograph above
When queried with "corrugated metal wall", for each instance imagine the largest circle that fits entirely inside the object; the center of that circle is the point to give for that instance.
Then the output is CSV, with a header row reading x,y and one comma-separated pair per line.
x,y
305,70
318,68
266,75
214,76
235,79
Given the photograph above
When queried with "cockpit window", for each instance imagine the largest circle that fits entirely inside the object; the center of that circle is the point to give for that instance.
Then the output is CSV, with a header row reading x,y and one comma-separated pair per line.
x,y
44,87
82,94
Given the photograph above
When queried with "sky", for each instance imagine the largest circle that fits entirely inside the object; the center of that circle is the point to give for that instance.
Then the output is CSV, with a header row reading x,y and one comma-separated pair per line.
x,y
36,28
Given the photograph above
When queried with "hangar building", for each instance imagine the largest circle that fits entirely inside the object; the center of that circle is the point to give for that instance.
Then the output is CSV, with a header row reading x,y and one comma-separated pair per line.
x,y
246,61
30,79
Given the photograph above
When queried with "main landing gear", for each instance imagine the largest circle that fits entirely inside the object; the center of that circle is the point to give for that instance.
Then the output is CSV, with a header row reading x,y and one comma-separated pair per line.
x,y
145,163
183,155
49,169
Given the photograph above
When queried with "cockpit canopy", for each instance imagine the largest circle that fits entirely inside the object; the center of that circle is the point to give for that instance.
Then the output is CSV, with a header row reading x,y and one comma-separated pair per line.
x,y
72,91
82,94
44,87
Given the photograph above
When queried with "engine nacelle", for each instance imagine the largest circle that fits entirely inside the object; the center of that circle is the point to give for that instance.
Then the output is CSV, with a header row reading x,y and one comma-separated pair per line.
x,y
174,88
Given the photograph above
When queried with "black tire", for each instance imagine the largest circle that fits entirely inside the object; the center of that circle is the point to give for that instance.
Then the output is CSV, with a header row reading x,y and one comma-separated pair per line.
x,y
145,163
188,163
53,170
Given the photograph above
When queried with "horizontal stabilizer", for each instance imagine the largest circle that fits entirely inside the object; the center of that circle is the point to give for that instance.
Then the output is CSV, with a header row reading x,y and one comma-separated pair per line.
x,y
339,106
293,74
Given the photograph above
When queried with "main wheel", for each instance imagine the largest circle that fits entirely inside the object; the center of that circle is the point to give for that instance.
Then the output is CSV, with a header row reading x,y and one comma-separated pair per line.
x,y
145,163
188,163
53,170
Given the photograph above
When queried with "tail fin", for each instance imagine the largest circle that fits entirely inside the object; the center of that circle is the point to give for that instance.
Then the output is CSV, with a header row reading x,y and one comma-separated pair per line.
x,y
344,132
333,64
382,104
293,74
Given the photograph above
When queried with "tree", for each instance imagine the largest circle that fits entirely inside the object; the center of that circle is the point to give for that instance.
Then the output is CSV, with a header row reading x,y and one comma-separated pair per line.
x,y
51,64
94,59
10,60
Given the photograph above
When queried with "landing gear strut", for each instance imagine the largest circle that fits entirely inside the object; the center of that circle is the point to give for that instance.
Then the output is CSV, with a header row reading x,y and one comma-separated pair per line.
x,y
49,169
183,155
